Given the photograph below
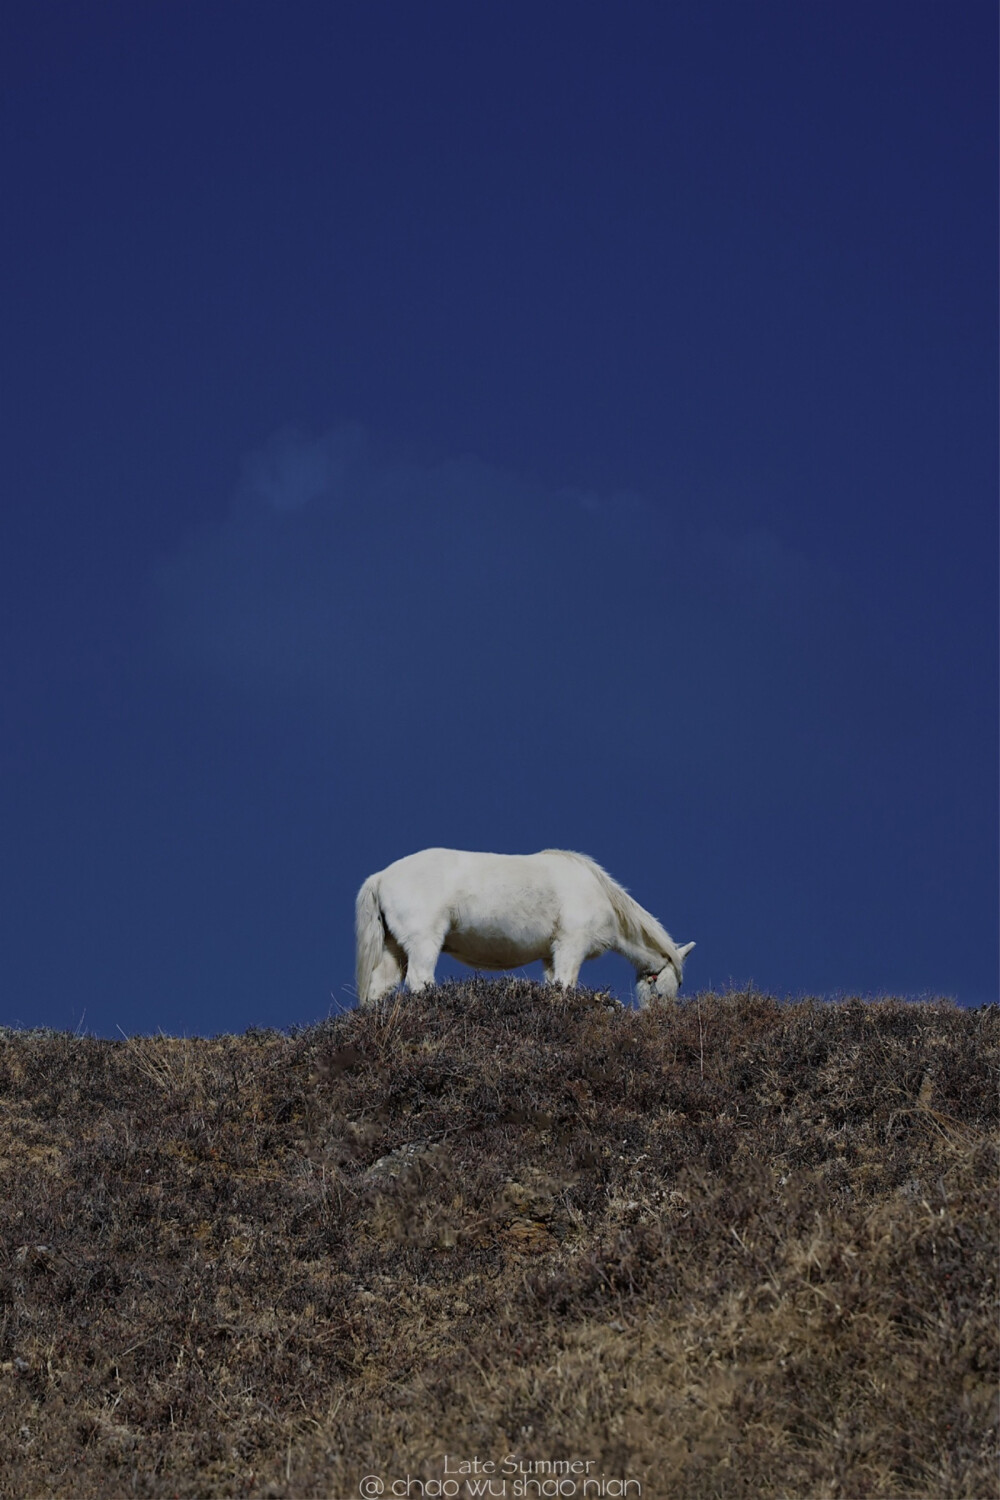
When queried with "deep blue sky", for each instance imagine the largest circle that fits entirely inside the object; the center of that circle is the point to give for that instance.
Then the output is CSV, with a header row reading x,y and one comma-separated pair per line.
x,y
497,426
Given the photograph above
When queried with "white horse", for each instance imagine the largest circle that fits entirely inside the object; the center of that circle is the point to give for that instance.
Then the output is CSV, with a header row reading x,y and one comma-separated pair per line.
x,y
498,911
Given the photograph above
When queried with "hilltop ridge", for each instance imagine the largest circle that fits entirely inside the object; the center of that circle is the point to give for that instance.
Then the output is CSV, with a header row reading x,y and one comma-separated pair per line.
x,y
725,1248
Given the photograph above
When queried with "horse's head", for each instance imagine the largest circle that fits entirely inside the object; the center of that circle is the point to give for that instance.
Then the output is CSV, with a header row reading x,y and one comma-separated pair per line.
x,y
665,984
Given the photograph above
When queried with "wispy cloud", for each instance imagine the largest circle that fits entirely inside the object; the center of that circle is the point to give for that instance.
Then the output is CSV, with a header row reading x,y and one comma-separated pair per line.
x,y
291,470
344,570
762,566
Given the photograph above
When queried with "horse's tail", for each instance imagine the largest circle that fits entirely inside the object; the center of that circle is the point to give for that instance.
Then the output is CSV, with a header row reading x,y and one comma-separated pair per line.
x,y
369,934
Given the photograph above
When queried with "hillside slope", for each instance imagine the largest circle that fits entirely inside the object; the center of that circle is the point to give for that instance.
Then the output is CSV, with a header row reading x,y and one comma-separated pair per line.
x,y
725,1249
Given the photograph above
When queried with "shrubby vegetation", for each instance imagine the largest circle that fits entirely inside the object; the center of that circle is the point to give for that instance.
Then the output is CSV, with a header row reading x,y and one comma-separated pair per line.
x,y
730,1248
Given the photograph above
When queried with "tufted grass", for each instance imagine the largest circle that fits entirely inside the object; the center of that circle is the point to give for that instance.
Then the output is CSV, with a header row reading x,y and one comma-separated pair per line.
x,y
730,1248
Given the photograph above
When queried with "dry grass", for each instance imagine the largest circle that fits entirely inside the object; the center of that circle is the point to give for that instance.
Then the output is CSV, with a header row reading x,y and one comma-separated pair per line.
x,y
727,1249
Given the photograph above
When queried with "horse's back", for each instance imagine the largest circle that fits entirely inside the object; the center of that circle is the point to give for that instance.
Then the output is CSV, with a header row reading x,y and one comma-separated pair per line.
x,y
443,869
470,889
439,873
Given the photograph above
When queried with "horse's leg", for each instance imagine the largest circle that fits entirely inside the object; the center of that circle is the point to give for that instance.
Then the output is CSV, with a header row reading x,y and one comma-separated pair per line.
x,y
421,960
568,952
390,970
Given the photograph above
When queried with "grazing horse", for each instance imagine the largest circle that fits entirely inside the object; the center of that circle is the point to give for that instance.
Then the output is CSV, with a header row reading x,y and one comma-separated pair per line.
x,y
498,911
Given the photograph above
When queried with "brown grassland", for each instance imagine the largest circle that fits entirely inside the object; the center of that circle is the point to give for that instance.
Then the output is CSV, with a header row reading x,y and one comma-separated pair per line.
x,y
728,1248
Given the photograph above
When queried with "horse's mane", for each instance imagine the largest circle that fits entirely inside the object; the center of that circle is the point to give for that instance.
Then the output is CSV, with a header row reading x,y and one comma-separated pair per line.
x,y
634,921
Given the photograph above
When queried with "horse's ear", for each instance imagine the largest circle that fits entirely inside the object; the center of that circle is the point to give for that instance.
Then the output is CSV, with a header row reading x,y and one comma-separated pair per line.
x,y
683,952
